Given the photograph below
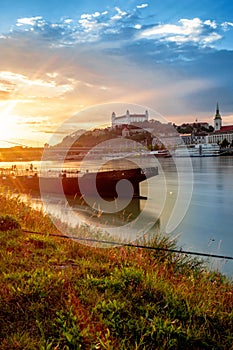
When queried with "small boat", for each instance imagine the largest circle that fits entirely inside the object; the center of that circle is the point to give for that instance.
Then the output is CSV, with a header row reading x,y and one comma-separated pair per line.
x,y
80,184
200,150
163,153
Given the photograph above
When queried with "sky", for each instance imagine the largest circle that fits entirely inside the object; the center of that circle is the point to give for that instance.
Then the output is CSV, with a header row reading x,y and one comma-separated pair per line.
x,y
58,58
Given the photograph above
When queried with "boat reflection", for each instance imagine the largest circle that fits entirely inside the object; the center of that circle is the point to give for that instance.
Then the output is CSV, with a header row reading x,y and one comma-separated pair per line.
x,y
69,214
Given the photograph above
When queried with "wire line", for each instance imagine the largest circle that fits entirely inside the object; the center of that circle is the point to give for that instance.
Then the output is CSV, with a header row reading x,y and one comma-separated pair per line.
x,y
179,251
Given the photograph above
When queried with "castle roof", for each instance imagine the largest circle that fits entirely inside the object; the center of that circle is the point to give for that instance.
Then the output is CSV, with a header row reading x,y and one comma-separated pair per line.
x,y
132,115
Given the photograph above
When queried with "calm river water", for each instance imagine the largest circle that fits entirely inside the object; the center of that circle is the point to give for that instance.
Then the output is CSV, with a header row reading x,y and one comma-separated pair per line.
x,y
208,223
193,204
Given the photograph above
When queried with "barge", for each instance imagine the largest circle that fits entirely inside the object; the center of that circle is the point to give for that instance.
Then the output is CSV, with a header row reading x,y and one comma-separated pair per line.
x,y
79,184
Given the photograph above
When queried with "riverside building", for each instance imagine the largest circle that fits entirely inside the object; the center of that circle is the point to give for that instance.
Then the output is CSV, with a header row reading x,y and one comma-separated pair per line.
x,y
220,132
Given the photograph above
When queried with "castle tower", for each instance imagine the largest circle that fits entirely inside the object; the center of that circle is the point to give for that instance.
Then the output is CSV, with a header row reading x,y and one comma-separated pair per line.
x,y
127,117
217,119
113,119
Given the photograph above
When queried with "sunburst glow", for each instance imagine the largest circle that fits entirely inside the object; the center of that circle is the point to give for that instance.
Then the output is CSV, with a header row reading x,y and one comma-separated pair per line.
x,y
8,124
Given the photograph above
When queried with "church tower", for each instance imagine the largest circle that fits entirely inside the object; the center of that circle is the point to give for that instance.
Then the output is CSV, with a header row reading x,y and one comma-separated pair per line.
x,y
217,120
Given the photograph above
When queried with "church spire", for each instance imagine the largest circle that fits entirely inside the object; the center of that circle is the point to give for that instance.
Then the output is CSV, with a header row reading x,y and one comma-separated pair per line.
x,y
217,119
217,111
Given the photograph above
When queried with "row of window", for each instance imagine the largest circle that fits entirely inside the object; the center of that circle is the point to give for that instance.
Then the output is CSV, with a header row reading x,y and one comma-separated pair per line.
x,y
220,138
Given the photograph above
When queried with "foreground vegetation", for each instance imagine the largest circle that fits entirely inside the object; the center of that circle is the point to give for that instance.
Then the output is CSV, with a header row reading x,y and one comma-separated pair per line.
x,y
59,294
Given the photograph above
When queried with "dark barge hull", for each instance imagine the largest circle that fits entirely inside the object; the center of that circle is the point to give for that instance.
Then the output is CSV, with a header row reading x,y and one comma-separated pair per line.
x,y
105,183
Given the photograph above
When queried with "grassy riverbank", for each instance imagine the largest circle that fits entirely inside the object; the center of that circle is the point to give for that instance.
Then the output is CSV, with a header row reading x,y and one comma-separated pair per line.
x,y
59,294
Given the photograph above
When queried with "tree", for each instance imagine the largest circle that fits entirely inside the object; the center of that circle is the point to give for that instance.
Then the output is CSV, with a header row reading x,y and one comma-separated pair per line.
x,y
225,143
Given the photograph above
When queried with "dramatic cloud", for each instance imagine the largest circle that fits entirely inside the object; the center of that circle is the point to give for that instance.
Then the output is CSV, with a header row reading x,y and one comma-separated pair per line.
x,y
119,54
108,27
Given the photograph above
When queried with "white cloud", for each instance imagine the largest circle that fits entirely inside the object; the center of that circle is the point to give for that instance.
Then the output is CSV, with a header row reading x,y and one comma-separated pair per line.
x,y
142,6
90,23
86,16
28,21
96,14
68,20
226,25
211,38
187,30
210,23
89,16
185,27
119,14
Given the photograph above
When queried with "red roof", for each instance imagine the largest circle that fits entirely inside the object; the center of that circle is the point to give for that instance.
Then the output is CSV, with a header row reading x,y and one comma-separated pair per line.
x,y
227,128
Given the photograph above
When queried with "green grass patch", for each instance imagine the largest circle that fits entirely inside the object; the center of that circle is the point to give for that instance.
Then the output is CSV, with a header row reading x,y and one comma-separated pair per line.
x,y
59,294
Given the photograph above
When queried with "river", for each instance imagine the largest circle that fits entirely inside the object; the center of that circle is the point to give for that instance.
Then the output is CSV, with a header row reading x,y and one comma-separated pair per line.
x,y
191,200
208,223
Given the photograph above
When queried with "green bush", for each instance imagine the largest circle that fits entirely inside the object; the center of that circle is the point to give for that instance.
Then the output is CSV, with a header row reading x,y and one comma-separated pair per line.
x,y
8,223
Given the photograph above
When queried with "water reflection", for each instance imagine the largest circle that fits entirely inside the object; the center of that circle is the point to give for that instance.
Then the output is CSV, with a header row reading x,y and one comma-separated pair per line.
x,y
127,225
205,227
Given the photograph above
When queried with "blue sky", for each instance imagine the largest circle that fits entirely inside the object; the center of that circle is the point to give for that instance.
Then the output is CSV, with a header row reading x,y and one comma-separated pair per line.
x,y
60,57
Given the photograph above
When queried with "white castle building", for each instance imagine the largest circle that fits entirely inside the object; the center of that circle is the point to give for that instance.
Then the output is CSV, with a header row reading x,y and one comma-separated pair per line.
x,y
128,118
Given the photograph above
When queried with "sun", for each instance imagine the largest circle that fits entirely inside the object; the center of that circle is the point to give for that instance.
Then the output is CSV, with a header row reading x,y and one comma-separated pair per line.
x,y
8,123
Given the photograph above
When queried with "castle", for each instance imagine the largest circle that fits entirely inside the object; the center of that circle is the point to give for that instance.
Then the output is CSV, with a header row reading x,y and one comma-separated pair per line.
x,y
128,118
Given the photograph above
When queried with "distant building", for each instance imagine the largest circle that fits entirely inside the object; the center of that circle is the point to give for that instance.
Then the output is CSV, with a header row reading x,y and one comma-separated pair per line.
x,y
200,137
187,138
125,132
220,132
128,118
219,136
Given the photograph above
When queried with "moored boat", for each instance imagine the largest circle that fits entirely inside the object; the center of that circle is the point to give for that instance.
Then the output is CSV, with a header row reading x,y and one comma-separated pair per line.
x,y
77,183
